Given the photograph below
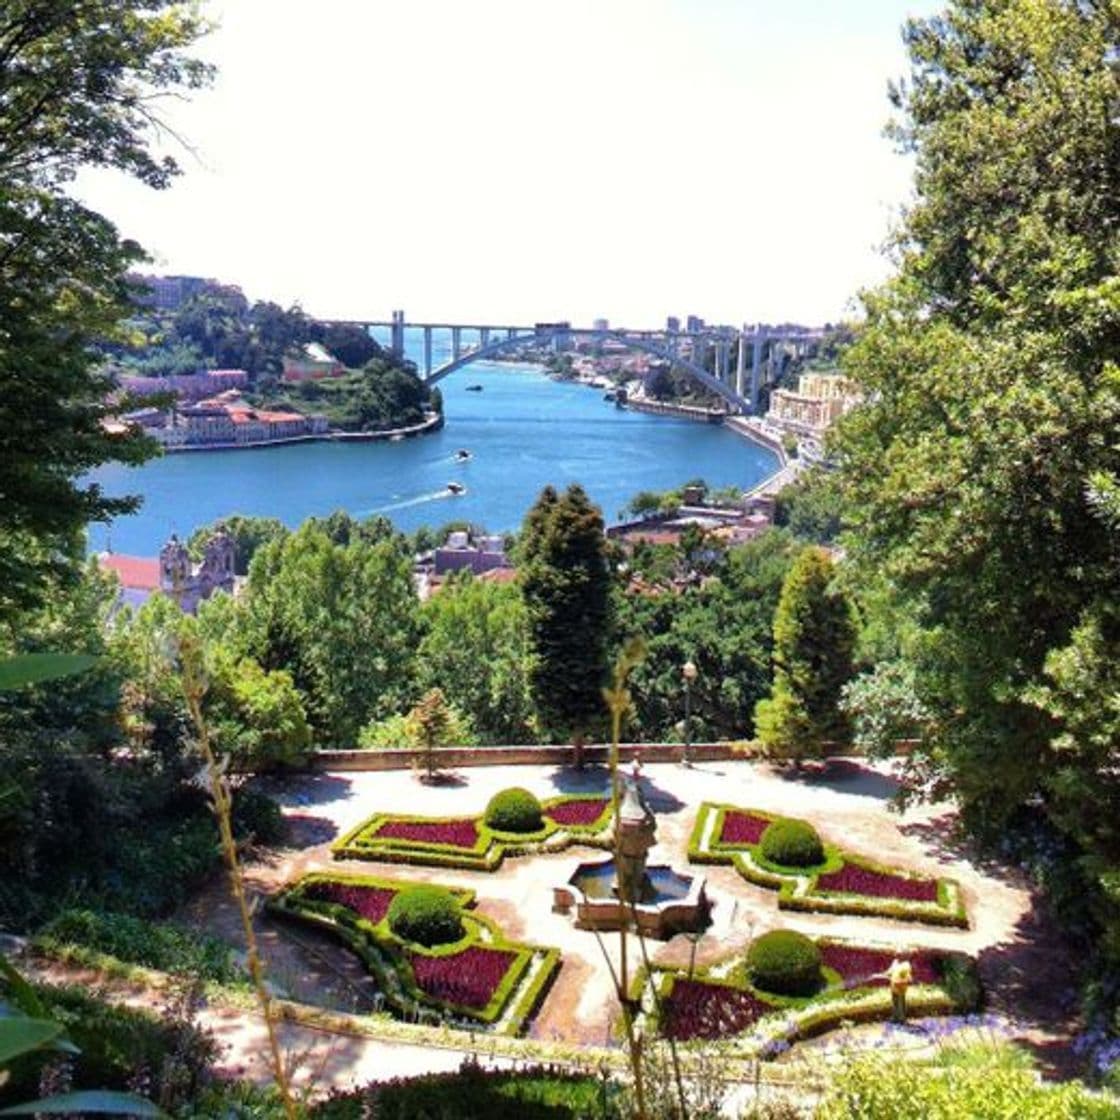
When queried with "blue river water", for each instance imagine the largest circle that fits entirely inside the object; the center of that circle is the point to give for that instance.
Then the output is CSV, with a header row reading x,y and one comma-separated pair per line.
x,y
523,431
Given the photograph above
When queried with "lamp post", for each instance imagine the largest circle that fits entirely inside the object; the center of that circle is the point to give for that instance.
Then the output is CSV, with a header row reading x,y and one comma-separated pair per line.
x,y
688,675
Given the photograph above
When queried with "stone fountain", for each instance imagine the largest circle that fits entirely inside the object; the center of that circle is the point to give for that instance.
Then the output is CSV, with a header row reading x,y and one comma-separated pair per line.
x,y
605,894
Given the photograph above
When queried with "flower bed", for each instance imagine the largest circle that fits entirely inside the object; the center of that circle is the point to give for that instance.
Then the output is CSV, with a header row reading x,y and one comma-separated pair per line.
x,y
843,883
446,834
852,879
468,842
719,1002
468,978
702,1009
482,977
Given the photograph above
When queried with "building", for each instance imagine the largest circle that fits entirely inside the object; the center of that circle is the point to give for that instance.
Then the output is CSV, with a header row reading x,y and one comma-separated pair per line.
x,y
187,386
169,293
228,420
311,363
600,325
693,324
460,553
673,324
173,573
810,409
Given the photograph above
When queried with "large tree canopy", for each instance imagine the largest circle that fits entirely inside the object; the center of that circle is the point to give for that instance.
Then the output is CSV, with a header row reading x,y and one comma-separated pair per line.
x,y
80,83
980,472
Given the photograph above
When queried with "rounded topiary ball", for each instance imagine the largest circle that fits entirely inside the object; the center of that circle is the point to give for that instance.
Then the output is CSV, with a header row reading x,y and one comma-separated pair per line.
x,y
427,915
791,843
514,810
785,962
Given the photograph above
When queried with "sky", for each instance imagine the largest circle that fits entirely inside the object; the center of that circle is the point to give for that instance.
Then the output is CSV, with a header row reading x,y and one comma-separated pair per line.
x,y
516,161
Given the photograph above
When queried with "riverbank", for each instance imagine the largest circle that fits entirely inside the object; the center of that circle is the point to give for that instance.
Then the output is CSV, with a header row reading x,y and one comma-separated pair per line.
x,y
432,424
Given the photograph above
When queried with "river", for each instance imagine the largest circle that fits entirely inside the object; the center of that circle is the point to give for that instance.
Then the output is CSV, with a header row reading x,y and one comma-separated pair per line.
x,y
523,431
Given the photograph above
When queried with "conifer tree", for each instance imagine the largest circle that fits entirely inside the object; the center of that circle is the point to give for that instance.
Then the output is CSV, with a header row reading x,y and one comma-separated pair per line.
x,y
566,584
814,635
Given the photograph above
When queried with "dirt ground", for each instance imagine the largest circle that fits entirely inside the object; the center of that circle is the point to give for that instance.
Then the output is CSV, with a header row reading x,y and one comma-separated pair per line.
x,y
1026,970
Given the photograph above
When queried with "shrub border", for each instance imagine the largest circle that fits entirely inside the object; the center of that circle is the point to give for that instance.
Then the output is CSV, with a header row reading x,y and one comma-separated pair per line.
x,y
384,953
797,889
489,850
795,1018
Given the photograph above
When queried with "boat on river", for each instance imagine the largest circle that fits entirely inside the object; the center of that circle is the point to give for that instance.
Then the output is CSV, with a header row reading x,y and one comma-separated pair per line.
x,y
462,455
456,488
474,389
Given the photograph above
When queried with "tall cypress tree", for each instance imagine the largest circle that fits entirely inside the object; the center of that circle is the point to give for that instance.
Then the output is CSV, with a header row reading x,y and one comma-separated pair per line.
x,y
814,635
566,585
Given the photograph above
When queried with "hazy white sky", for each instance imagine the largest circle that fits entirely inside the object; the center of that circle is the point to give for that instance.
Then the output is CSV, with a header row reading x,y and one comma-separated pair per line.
x,y
520,160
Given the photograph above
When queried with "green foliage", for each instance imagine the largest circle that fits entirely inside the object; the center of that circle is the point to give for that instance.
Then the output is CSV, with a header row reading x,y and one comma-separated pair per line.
x,y
342,619
811,507
566,585
791,843
79,89
725,628
785,962
514,810
156,945
27,669
528,1094
428,915
814,637
249,534
476,649
878,1088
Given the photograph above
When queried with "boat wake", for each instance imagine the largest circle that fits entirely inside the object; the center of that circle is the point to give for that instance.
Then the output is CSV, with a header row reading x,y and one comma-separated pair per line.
x,y
422,499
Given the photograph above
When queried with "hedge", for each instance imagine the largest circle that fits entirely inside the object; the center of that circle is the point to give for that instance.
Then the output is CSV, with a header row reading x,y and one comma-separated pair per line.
x,y
491,847
793,1018
390,959
799,890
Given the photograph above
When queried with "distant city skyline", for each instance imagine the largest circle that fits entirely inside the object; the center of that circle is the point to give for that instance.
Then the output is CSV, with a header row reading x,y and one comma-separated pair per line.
x,y
615,159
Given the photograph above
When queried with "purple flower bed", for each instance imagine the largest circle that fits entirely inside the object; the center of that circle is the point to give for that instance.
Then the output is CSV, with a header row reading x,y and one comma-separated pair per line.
x,y
455,834
699,1009
742,828
370,903
851,879
584,812
860,968
468,979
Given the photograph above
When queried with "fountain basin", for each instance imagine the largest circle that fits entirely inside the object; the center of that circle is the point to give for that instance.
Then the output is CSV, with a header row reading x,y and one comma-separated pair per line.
x,y
670,902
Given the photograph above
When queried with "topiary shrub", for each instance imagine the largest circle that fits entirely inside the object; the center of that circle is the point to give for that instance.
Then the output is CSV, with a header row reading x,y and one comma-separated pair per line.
x,y
785,962
514,810
791,843
428,915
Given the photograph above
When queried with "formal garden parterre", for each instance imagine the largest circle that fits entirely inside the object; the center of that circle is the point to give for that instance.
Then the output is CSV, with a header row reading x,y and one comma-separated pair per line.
x,y
478,977
472,842
837,882
725,1000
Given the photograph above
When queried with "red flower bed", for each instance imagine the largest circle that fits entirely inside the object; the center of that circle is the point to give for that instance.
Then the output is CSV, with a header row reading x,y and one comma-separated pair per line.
x,y
742,828
585,811
370,903
698,1009
861,968
454,834
468,979
851,879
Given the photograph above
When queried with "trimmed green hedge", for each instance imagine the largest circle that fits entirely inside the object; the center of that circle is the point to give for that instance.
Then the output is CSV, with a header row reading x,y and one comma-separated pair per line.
x,y
426,914
800,1017
514,810
490,849
386,955
797,890
788,842
786,963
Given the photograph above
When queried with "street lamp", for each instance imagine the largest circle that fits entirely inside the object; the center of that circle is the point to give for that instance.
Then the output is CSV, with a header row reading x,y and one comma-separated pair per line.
x,y
688,675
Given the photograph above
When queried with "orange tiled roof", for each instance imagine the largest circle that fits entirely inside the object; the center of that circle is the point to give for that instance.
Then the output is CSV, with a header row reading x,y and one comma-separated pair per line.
x,y
140,573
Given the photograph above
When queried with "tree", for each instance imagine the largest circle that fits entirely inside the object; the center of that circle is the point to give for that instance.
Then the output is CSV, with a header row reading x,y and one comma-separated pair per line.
x,y
814,636
80,84
565,582
433,720
350,344
476,645
249,534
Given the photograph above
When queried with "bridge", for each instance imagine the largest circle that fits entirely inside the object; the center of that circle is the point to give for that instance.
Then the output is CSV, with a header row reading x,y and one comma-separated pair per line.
x,y
705,354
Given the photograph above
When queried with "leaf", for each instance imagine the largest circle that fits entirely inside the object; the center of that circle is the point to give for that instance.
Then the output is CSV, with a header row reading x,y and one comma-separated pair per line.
x,y
21,992
34,668
93,1100
19,1035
